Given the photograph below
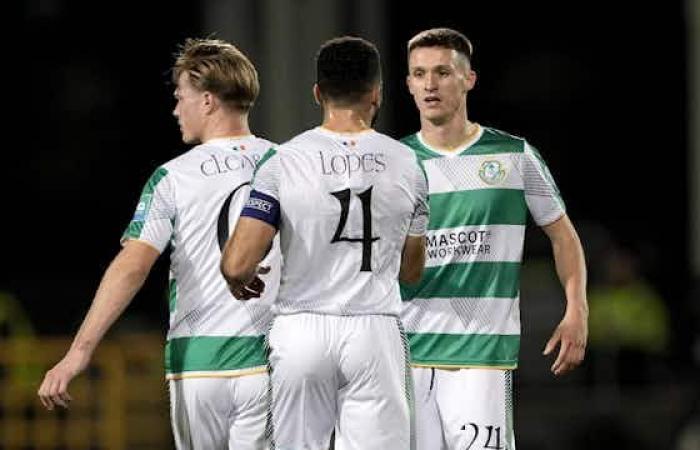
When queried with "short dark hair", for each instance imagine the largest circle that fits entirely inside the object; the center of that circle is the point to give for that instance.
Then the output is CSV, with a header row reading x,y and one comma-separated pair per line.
x,y
442,37
347,68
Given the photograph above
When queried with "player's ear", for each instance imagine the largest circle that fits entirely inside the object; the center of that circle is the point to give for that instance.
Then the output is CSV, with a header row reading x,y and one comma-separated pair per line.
x,y
470,80
209,102
317,94
376,95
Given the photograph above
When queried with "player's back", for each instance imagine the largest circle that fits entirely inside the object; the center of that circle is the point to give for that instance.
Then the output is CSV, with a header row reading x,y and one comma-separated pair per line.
x,y
193,204
346,205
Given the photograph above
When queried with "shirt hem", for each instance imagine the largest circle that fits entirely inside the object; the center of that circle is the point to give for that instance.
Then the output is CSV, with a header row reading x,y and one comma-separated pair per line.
x,y
216,373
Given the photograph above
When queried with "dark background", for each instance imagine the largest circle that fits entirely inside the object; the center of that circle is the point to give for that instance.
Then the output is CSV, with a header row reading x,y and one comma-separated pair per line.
x,y
600,88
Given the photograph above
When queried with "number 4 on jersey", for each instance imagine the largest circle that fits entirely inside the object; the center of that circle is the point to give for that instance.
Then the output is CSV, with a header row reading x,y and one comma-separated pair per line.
x,y
366,239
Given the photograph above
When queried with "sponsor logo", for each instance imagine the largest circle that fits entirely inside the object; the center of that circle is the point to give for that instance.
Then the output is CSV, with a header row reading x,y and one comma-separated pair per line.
x,y
492,172
454,245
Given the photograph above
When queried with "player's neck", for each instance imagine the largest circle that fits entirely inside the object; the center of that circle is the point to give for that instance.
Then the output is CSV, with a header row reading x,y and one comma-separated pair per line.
x,y
347,120
450,135
227,127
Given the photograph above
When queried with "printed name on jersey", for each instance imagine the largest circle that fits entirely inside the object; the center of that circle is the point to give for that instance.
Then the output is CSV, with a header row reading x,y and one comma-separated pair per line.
x,y
450,245
142,207
492,172
351,162
217,165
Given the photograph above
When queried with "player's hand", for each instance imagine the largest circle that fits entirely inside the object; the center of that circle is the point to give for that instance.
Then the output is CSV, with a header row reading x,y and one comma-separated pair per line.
x,y
571,334
54,389
253,289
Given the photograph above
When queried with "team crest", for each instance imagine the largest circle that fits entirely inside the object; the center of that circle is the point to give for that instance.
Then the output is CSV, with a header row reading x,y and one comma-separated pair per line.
x,y
492,172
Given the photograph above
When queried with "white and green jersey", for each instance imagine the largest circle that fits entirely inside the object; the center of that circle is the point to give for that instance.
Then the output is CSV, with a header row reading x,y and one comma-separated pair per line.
x,y
192,203
344,205
465,311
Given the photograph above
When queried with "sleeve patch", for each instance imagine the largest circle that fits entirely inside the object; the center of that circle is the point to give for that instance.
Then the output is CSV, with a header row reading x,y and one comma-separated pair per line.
x,y
262,207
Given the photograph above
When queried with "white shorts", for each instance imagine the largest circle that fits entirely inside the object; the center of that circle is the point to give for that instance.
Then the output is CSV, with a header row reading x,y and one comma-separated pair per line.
x,y
220,413
347,372
463,409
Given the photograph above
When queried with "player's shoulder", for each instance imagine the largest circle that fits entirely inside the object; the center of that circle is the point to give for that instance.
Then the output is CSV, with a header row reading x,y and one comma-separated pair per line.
x,y
300,145
170,166
310,137
260,145
505,141
177,165
411,140
186,158
395,145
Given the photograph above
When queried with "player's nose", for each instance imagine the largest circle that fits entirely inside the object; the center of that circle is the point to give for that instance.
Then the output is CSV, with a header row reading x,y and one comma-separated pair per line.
x,y
430,82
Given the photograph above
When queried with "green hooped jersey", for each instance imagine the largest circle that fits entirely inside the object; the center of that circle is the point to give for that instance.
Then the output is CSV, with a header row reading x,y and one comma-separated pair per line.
x,y
192,203
465,310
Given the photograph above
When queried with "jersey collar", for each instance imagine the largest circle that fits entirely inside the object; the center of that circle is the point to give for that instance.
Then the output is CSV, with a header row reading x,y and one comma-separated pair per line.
x,y
456,152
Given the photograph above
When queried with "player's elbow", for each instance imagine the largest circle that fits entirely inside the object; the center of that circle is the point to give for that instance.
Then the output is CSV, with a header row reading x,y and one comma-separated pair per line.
x,y
235,270
231,271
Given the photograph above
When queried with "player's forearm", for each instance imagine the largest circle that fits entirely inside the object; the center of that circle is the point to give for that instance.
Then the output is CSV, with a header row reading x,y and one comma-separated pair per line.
x,y
412,260
571,269
237,267
410,275
245,249
119,285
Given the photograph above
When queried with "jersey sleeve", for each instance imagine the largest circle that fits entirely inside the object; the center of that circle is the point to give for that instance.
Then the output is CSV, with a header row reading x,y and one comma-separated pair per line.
x,y
421,212
541,193
263,202
155,212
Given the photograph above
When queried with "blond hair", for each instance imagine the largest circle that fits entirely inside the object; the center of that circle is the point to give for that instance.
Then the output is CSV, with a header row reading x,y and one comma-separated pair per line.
x,y
218,67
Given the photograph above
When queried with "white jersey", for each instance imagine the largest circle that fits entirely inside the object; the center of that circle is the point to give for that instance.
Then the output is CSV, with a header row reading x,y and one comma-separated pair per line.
x,y
192,203
345,204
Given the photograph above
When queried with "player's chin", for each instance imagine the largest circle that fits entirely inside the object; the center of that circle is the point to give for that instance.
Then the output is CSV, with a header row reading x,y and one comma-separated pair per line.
x,y
432,113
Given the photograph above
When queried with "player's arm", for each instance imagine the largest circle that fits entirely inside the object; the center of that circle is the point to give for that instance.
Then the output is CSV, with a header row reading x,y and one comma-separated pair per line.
x,y
255,230
548,210
572,332
243,252
413,255
121,281
412,259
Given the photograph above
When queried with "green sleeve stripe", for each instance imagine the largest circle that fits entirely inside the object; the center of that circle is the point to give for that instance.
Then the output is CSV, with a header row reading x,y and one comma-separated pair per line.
x,y
212,353
172,295
477,279
477,207
464,349
268,154
495,141
135,227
